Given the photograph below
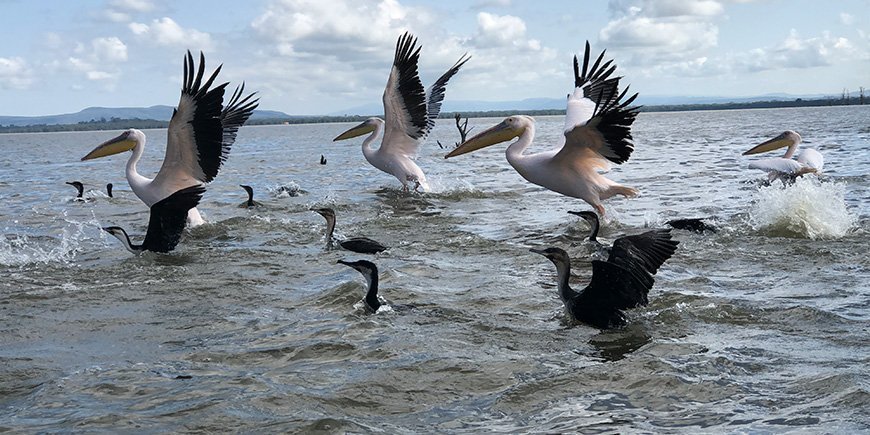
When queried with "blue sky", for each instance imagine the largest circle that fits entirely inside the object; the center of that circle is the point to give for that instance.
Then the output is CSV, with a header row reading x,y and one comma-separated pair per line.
x,y
322,56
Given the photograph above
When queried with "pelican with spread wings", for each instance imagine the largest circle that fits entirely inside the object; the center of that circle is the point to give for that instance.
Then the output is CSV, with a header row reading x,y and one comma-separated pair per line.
x,y
201,132
808,161
409,115
597,132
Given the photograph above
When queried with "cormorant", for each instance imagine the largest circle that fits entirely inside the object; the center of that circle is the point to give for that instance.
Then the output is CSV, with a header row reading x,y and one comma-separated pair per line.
x,y
362,245
79,186
370,272
109,190
692,224
322,159
250,202
620,283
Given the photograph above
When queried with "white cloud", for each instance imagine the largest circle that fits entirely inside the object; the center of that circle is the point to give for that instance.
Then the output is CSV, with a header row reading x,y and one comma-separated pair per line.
x,y
100,62
165,31
499,31
15,73
847,19
133,5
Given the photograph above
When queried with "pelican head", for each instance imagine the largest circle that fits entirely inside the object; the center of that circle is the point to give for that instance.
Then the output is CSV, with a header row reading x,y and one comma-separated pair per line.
x,y
126,141
508,129
367,126
786,139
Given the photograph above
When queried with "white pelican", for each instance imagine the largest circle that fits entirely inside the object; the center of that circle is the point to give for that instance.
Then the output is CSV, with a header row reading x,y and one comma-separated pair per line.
x,y
620,283
166,222
200,135
409,115
597,129
808,161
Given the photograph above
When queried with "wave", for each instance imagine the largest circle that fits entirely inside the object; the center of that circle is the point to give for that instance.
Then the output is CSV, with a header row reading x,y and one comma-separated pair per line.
x,y
807,208
21,250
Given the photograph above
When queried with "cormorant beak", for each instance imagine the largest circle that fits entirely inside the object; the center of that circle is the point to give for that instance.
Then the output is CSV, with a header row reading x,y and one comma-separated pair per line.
x,y
359,130
122,143
778,142
538,251
497,134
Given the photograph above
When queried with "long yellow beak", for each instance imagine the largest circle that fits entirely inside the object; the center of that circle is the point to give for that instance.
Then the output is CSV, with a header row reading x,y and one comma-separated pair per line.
x,y
500,133
112,146
359,130
778,142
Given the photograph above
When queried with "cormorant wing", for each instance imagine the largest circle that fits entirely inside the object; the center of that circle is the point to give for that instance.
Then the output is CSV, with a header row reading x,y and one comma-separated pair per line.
x,y
648,250
436,93
616,286
405,101
168,218
362,245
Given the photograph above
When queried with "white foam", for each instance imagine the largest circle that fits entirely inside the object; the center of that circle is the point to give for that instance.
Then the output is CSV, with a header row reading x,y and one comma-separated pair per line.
x,y
21,250
808,208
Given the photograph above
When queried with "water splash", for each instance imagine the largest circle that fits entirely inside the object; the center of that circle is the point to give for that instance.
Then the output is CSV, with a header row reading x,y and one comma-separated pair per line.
x,y
808,208
21,250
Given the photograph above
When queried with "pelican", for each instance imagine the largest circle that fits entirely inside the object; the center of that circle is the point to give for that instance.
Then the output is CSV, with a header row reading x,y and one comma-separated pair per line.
x,y
109,190
362,245
250,202
620,283
166,222
409,115
808,161
370,272
79,187
597,130
200,135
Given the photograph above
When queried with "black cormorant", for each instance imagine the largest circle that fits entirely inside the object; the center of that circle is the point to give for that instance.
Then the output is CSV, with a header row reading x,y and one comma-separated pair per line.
x,y
109,190
370,272
362,245
692,224
166,222
250,202
620,283
79,186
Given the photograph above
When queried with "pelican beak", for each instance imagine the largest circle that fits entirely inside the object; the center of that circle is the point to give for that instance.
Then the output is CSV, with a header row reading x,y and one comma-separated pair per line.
x,y
359,130
500,133
122,143
778,142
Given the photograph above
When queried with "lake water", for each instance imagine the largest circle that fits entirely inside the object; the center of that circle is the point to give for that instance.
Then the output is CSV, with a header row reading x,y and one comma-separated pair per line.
x,y
251,326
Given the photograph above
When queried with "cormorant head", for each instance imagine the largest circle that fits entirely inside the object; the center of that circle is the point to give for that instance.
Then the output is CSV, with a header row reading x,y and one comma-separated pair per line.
x,y
326,212
557,255
109,189
588,216
365,267
78,185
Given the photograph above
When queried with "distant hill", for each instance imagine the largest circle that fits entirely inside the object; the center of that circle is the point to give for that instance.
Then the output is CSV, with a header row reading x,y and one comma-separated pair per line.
x,y
158,113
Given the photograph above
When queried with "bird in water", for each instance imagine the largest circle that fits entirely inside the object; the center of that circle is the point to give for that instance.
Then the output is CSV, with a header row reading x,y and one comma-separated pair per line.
x,y
201,132
621,282
600,250
370,272
322,159
166,222
692,224
250,202
597,132
79,186
362,245
409,115
109,190
808,161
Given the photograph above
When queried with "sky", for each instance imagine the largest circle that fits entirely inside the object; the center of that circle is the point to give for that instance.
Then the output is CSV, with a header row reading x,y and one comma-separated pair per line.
x,y
310,57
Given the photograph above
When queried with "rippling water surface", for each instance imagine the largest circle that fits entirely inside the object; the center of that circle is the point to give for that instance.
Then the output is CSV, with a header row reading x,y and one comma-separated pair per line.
x,y
251,326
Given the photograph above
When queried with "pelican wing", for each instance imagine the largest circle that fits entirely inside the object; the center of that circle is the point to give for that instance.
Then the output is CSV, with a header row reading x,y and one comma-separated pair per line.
x,y
436,93
811,158
405,101
168,218
589,83
777,165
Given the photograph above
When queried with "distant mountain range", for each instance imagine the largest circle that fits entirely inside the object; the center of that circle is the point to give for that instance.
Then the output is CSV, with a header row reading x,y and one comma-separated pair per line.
x,y
163,113
375,108
159,113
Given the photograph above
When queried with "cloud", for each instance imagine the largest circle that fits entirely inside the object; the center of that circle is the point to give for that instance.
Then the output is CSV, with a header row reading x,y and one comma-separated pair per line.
x,y
100,62
15,73
795,52
165,31
133,5
847,19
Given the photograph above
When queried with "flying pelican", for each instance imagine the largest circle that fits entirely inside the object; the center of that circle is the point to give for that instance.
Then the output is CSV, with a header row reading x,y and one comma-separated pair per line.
x,y
79,187
409,115
808,161
200,135
370,272
109,190
166,222
250,202
620,283
597,129
362,245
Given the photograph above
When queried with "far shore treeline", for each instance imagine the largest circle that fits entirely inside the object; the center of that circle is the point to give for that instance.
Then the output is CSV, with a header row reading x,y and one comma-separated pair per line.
x,y
120,124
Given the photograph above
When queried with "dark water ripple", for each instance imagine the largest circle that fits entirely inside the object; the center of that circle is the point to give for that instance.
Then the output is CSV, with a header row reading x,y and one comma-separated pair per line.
x,y
251,326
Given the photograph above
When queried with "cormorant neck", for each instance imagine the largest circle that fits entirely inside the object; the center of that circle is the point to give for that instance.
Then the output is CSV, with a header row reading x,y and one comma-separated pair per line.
x,y
330,228
136,249
563,271
593,230
372,294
